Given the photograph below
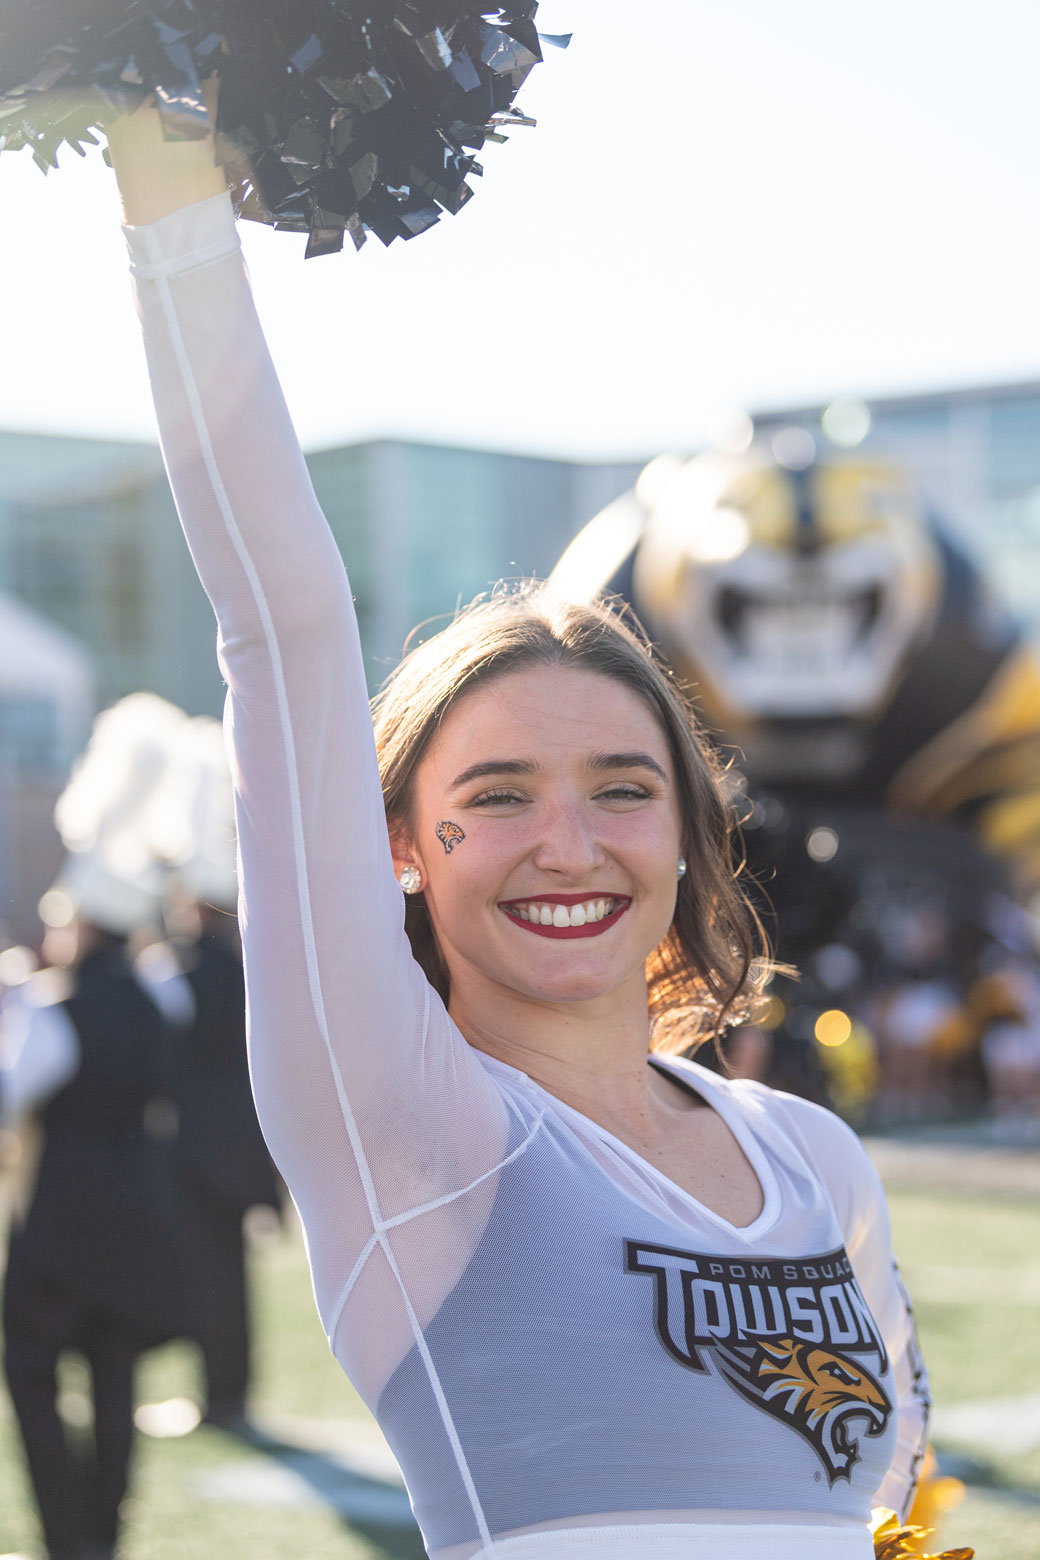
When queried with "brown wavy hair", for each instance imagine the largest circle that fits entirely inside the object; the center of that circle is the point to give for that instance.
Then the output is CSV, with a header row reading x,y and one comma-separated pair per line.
x,y
714,961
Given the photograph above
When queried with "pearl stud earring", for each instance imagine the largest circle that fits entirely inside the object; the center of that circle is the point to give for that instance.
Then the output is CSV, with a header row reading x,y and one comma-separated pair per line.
x,y
410,879
682,867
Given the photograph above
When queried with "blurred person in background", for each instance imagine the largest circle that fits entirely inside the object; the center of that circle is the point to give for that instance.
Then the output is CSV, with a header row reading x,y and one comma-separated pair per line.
x,y
223,1167
92,1265
882,715
1011,1046
18,964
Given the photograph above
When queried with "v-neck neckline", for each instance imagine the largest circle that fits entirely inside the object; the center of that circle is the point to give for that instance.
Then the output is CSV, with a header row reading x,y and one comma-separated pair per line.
x,y
715,1099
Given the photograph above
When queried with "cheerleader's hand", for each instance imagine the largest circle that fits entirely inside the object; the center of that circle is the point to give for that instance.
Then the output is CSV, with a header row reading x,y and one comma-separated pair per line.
x,y
893,1541
157,176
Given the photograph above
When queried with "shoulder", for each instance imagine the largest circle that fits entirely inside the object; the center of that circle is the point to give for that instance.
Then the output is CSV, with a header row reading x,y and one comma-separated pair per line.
x,y
819,1126
752,1099
823,1132
840,1159
830,1146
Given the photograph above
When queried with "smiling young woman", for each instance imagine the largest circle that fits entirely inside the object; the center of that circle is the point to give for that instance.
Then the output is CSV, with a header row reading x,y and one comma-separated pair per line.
x,y
575,720
603,1301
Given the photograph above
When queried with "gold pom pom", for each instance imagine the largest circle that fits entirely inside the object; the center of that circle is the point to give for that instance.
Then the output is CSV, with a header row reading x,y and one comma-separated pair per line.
x,y
936,1494
893,1541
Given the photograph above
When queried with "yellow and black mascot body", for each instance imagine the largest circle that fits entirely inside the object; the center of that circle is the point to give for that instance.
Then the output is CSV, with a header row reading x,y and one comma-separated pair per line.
x,y
882,712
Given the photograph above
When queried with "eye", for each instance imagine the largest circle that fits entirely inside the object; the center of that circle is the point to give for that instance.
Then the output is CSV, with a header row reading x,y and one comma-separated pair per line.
x,y
625,791
499,797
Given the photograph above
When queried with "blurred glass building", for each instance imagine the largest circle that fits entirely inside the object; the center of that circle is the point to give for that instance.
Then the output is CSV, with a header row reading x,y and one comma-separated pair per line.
x,y
427,527
85,541
46,704
89,540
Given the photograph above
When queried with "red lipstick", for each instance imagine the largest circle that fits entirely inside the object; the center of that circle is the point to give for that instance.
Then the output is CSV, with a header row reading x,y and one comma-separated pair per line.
x,y
590,929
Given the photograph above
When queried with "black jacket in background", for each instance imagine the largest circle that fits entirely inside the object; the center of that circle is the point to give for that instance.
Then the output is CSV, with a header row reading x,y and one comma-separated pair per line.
x,y
102,1223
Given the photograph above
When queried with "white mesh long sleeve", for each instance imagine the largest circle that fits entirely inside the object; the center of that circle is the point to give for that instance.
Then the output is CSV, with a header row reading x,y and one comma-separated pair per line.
x,y
360,1078
870,1249
862,1211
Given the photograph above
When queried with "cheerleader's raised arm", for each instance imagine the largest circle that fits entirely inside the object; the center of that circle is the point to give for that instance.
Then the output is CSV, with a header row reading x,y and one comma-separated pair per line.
x,y
371,1102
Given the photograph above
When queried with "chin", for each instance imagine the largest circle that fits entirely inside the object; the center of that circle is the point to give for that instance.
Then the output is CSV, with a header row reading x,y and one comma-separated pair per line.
x,y
572,986
555,971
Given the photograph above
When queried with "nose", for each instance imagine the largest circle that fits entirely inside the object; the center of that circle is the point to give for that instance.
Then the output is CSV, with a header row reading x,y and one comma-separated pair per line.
x,y
569,845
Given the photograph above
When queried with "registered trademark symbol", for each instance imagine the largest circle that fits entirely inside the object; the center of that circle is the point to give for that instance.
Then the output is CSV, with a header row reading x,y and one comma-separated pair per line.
x,y
818,1476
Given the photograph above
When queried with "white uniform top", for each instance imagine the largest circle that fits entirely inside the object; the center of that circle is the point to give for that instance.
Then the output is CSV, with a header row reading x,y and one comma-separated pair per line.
x,y
568,1354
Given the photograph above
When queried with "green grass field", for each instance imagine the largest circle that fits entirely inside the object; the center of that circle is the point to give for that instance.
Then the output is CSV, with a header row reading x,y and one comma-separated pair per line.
x,y
972,1262
972,1265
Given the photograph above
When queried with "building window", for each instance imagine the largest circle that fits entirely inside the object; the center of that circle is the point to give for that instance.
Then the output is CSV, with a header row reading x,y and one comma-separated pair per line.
x,y
125,615
30,745
52,572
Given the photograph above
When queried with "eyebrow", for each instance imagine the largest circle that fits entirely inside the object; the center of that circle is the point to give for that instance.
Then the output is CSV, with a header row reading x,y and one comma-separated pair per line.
x,y
636,760
524,766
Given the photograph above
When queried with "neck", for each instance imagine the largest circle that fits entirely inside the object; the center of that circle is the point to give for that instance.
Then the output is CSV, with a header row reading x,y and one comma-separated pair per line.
x,y
591,1055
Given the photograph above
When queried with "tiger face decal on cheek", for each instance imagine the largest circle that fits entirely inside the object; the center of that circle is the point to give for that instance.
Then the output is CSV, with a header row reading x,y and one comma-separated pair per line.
x,y
449,835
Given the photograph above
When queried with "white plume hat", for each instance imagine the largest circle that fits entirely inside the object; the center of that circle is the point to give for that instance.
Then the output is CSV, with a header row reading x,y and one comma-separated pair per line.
x,y
111,874
191,817
116,902
149,805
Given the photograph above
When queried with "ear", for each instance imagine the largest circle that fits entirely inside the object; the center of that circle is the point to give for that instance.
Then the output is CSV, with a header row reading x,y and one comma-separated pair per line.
x,y
403,851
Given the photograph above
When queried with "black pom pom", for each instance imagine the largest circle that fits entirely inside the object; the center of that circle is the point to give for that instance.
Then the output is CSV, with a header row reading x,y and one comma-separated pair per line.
x,y
335,117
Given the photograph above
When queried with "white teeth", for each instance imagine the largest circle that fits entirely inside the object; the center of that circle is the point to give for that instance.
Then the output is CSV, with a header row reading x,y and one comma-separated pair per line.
x,y
561,916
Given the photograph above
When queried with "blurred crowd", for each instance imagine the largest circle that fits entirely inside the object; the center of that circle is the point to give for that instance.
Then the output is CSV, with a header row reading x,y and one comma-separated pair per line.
x,y
130,1147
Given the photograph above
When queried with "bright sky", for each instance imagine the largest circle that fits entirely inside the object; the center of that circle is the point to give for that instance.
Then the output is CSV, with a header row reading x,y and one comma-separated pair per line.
x,y
726,203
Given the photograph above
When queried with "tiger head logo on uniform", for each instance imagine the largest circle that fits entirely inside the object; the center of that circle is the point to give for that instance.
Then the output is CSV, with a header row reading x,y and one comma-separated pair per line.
x,y
786,1334
827,1397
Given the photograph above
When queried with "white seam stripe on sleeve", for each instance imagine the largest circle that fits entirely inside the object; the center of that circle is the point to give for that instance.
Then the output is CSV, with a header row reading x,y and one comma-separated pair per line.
x,y
285,722
442,1404
413,1213
449,1197
344,1294
237,540
160,269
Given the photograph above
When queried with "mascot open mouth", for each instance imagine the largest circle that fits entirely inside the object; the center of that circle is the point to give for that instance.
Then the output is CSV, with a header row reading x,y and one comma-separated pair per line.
x,y
837,620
